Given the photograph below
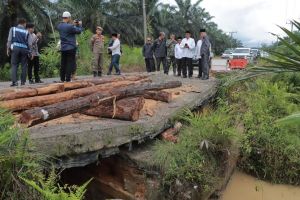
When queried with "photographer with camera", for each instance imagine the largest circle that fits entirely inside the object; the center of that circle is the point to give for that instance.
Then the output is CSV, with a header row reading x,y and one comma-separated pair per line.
x,y
68,47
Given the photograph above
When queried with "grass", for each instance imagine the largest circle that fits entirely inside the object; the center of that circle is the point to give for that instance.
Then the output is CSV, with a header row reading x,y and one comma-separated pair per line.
x,y
246,118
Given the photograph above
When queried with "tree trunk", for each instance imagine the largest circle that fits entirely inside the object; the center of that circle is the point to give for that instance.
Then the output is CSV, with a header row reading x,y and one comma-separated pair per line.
x,y
60,87
38,101
159,96
125,109
30,92
39,115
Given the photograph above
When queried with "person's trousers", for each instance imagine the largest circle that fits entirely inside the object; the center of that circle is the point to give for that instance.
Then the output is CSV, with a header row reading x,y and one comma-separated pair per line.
x,y
150,66
162,60
172,61
19,56
97,62
187,66
205,66
200,68
115,59
179,66
35,65
68,64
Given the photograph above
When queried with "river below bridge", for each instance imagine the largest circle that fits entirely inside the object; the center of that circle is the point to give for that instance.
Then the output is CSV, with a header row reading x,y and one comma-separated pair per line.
x,y
245,187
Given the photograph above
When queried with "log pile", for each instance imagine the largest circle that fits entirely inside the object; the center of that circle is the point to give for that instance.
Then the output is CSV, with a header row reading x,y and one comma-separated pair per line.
x,y
111,97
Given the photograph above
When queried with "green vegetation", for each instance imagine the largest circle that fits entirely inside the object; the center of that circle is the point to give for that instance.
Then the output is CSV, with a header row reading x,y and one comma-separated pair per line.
x,y
21,169
246,118
203,145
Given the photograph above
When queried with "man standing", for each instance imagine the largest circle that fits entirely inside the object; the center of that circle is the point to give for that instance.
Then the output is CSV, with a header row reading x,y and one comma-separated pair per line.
x,y
116,54
198,56
67,32
171,53
97,45
148,55
34,61
205,54
160,52
188,45
178,56
18,47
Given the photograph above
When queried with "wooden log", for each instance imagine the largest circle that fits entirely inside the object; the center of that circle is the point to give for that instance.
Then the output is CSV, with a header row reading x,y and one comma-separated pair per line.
x,y
38,101
159,96
61,87
125,109
38,115
30,92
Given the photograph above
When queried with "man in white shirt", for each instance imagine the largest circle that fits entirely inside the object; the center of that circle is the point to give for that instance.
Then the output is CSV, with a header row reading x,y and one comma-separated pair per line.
x,y
178,56
116,54
188,45
198,56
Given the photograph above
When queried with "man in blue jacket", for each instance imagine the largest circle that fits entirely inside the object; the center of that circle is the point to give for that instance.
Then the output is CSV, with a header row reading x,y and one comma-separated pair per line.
x,y
67,32
18,49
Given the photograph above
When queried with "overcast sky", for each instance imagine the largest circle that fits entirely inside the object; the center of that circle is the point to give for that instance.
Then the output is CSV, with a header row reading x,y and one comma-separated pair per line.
x,y
252,19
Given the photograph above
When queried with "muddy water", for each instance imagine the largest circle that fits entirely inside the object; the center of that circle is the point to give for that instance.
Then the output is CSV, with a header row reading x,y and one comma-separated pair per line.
x,y
244,187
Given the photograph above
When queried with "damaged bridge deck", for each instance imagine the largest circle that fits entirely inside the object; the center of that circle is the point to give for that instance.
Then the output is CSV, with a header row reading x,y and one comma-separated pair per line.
x,y
79,140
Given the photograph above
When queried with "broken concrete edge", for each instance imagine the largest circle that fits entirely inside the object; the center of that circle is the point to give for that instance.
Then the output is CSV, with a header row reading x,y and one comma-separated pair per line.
x,y
135,133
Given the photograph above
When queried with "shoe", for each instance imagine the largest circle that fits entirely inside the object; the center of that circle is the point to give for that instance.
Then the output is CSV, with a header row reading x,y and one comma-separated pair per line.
x,y
184,77
190,76
31,81
179,75
109,73
23,83
39,81
14,84
204,78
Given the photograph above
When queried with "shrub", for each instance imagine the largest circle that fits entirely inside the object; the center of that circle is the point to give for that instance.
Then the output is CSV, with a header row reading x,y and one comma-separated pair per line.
x,y
269,150
202,148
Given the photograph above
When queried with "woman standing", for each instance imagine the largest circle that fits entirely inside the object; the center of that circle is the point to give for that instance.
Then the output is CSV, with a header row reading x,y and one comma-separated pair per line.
x,y
97,46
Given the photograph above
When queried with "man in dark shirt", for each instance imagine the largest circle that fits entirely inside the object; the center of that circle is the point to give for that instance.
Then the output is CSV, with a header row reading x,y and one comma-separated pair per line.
x,y
148,55
160,52
67,32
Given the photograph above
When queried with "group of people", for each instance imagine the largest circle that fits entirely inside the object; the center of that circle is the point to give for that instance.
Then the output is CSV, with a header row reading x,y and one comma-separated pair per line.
x,y
22,46
178,53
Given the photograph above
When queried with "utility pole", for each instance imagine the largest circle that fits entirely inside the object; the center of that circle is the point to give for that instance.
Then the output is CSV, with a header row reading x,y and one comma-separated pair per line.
x,y
231,36
145,20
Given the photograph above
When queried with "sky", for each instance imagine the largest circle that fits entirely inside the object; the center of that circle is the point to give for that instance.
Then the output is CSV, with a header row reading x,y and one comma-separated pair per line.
x,y
251,19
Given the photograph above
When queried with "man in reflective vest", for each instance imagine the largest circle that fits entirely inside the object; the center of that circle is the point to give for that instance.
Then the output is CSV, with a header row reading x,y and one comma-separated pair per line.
x,y
18,49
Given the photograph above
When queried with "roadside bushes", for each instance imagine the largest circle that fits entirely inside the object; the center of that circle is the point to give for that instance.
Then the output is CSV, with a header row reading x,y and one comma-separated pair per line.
x,y
204,144
269,150
22,174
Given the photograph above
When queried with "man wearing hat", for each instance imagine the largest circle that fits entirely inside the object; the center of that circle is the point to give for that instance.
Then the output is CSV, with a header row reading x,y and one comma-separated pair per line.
x,y
187,45
97,46
67,32
205,54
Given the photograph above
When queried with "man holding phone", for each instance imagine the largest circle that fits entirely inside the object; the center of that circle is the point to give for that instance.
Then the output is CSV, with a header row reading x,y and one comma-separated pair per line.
x,y
187,45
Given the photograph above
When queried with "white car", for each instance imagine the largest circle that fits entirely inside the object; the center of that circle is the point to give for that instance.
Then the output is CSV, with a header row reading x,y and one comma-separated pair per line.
x,y
241,53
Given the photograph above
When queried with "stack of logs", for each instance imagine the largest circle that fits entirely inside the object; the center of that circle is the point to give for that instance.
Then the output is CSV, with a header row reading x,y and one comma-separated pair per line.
x,y
112,97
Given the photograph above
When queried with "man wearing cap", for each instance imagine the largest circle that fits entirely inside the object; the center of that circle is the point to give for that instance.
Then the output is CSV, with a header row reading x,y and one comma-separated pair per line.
x,y
160,52
67,32
205,54
188,45
97,46
171,53
34,61
116,54
18,48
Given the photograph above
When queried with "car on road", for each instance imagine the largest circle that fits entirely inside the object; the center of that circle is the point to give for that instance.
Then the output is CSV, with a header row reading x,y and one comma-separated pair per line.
x,y
226,54
255,53
241,53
